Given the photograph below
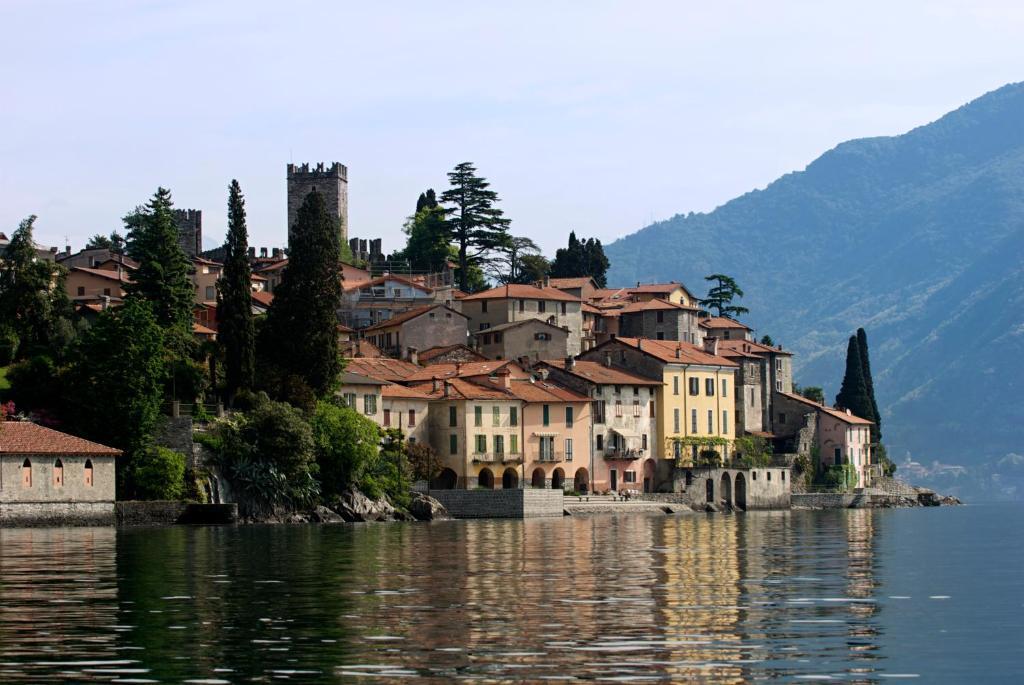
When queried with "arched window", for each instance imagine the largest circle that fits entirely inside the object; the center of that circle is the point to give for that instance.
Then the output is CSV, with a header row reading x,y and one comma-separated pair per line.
x,y
26,474
88,473
58,474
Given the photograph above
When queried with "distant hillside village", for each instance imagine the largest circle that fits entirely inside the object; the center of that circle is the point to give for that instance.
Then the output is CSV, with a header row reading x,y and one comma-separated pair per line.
x,y
528,379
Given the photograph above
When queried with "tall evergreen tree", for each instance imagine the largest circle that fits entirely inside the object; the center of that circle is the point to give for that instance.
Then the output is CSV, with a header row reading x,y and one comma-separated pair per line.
x,y
426,246
301,338
853,394
163,276
581,258
426,200
475,225
235,331
721,295
865,361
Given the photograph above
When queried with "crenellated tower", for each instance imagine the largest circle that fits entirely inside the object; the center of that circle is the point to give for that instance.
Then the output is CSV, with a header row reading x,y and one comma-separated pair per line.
x,y
330,181
190,230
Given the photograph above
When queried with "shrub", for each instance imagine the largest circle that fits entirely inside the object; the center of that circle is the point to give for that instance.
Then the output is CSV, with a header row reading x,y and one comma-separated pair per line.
x,y
35,383
347,446
159,473
710,458
9,342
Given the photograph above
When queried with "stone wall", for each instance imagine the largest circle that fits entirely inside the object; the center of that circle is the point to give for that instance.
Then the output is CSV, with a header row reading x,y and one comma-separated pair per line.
x,y
827,500
330,181
756,488
13,514
190,230
176,434
164,513
514,504
43,486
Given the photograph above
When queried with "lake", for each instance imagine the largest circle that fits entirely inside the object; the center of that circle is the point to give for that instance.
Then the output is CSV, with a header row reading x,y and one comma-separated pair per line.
x,y
851,596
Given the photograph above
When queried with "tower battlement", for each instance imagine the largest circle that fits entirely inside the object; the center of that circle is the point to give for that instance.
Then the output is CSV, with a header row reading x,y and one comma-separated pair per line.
x,y
320,170
330,180
190,230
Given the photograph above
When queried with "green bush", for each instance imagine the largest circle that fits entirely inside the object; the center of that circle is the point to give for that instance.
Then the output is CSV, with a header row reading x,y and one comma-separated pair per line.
x,y
35,383
9,342
347,447
159,473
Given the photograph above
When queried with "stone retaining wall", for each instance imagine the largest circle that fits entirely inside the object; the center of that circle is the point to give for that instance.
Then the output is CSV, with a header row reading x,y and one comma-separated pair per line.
x,y
14,514
829,500
516,504
167,513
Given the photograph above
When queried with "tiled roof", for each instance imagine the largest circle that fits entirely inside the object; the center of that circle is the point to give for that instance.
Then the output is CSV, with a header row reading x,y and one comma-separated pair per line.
x,y
752,347
200,329
520,291
535,391
359,349
577,282
23,437
674,352
465,370
402,392
654,305
103,273
596,372
461,389
840,414
263,297
438,350
516,324
349,378
382,368
273,266
342,328
381,280
722,322
658,288
409,315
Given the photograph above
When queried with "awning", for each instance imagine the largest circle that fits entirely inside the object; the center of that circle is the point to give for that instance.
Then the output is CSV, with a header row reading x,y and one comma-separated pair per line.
x,y
627,434
546,434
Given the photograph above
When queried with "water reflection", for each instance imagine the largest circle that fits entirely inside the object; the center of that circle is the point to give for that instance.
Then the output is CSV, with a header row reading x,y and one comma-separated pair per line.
x,y
719,598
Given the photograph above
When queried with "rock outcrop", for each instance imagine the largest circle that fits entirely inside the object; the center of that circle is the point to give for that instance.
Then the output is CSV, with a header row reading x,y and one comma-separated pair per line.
x,y
426,508
353,506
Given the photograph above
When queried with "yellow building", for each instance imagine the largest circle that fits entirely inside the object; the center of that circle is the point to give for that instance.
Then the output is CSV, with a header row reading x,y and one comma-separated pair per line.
x,y
695,402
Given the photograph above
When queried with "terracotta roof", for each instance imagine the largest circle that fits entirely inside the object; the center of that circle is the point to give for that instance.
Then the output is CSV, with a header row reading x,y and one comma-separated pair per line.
x,y
349,378
465,370
610,294
103,273
380,280
273,266
257,277
342,328
653,305
723,322
126,262
23,437
384,369
438,350
591,309
752,347
831,411
515,324
200,329
461,389
577,282
401,392
459,294
535,391
663,288
208,262
596,372
359,349
666,351
522,292
409,315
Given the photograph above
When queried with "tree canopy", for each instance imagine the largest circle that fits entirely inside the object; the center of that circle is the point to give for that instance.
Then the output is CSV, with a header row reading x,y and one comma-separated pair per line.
x,y
853,394
475,225
517,261
721,295
581,258
865,362
235,331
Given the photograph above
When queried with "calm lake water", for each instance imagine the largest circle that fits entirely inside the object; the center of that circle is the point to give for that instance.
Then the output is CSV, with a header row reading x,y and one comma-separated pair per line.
x,y
853,596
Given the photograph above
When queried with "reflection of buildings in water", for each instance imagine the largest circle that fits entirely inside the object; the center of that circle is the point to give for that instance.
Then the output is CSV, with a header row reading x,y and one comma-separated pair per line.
x,y
58,590
861,583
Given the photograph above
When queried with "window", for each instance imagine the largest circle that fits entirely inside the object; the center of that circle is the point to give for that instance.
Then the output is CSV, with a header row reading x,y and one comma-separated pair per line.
x,y
709,387
547,414
782,474
481,444
495,415
778,384
350,400
839,455
211,292
547,448
629,476
81,290
751,396
725,422
568,449
369,404
643,441
677,450
563,308
453,444
498,338
675,420
513,416
711,421
387,417
483,306
88,473
693,421
453,416
522,305
599,442
618,407
778,365
695,386
478,416
636,391
484,326
651,405
513,444
541,306
487,338
636,407
675,385
659,335
769,475
782,417
725,387
499,444
58,474
597,409
661,317
106,291
568,417
412,418
26,474
753,474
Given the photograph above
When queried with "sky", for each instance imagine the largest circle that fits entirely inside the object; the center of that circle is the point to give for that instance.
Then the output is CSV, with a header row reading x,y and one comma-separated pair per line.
x,y
599,117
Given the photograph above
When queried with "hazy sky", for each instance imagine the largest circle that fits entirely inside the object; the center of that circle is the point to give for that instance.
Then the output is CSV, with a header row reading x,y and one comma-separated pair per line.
x,y
596,116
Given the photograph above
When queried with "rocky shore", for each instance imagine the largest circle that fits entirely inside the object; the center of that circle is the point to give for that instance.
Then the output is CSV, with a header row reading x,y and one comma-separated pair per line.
x,y
353,506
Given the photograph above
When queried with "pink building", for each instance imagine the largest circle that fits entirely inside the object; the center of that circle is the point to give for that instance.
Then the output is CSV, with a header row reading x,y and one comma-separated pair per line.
x,y
841,436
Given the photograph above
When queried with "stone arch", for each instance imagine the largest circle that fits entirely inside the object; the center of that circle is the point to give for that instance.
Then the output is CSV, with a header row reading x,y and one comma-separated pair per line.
x,y
727,489
649,471
58,474
509,479
26,473
446,480
581,481
741,491
485,479
558,479
88,473
538,479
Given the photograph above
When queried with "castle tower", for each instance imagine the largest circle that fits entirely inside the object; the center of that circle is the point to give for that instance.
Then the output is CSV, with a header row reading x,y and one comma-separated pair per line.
x,y
331,182
190,230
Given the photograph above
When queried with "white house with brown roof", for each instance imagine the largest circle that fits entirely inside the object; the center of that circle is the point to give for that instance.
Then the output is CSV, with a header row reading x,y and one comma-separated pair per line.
x,y
515,302
724,328
50,476
85,284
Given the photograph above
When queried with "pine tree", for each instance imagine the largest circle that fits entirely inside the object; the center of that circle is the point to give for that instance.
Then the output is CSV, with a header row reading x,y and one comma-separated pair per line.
x,y
235,331
581,258
865,361
475,225
163,277
721,295
853,394
301,337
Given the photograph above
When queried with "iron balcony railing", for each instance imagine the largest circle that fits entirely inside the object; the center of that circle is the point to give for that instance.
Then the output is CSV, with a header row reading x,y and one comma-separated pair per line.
x,y
624,454
551,457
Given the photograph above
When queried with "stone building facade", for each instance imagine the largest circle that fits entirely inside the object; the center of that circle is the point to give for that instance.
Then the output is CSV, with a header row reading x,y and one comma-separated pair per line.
x,y
532,338
190,230
747,489
330,181
516,302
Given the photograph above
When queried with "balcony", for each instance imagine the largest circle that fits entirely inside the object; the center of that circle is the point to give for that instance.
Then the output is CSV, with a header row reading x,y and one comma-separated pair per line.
x,y
552,458
511,458
487,457
624,454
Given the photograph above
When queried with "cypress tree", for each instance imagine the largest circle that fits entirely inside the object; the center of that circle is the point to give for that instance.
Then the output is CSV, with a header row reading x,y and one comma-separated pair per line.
x,y
853,394
301,329
234,307
865,362
163,277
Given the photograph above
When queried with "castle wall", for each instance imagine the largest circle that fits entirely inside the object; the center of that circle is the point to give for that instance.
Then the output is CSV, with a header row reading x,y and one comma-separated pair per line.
x,y
331,182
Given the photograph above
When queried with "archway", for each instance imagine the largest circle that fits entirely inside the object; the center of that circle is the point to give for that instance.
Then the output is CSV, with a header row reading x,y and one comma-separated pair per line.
x,y
537,479
581,481
558,479
485,479
649,475
88,473
727,489
741,491
509,479
58,474
446,480
26,474
709,491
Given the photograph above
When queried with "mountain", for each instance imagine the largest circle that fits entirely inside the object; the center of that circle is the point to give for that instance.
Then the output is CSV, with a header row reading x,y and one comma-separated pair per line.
x,y
919,238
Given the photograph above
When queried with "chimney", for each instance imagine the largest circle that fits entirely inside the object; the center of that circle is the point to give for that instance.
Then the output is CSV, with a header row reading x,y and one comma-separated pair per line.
x,y
711,345
570,363
505,378
106,302
679,352
447,387
547,281
433,384
640,343
413,355
607,358
458,368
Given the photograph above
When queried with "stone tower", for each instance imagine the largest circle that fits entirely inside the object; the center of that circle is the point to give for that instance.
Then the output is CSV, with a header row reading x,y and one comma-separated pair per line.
x,y
331,182
190,230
